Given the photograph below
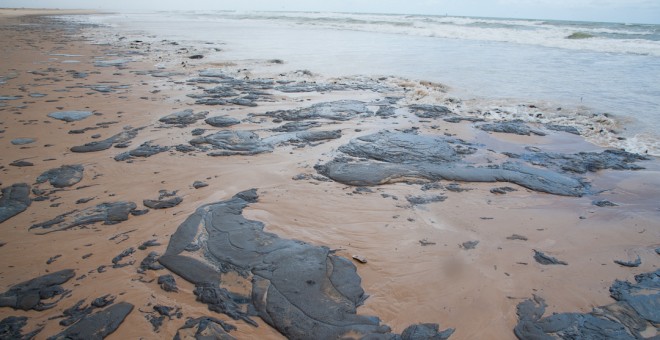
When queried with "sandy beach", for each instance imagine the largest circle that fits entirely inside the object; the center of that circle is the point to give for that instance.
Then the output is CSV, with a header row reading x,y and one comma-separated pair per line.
x,y
447,212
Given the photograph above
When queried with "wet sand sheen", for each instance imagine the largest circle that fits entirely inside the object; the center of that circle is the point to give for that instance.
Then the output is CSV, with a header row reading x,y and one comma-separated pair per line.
x,y
474,291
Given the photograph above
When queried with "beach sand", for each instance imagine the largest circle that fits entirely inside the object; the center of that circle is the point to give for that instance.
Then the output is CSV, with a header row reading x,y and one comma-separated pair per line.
x,y
418,269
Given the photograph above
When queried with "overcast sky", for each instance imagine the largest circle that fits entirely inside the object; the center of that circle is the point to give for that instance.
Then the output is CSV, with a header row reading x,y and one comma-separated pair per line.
x,y
631,11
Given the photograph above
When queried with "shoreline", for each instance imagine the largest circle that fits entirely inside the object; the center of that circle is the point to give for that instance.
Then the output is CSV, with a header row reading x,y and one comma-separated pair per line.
x,y
612,123
405,279
19,12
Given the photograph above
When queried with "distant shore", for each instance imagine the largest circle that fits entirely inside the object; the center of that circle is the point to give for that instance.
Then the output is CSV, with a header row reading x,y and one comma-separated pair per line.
x,y
17,12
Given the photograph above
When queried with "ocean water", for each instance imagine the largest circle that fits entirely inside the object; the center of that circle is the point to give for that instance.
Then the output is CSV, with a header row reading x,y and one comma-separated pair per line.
x,y
611,68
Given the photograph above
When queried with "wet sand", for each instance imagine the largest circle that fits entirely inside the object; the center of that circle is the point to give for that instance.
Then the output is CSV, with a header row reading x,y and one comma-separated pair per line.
x,y
418,269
